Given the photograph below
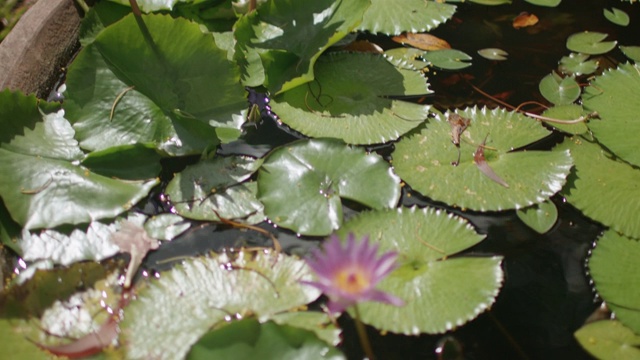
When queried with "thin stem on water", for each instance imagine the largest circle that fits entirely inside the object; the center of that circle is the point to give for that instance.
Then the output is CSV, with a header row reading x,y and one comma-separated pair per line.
x,y
362,334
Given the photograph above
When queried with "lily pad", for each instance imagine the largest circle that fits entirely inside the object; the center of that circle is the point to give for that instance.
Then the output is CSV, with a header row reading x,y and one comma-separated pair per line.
x,y
406,58
609,340
121,90
166,226
547,3
349,100
414,16
568,112
281,41
301,184
319,322
558,90
40,174
578,64
632,52
614,96
440,293
540,217
617,16
612,266
213,289
449,59
604,189
216,185
15,343
424,160
590,42
493,54
249,339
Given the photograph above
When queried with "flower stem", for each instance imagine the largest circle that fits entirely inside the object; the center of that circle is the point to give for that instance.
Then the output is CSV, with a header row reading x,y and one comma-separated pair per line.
x,y
362,334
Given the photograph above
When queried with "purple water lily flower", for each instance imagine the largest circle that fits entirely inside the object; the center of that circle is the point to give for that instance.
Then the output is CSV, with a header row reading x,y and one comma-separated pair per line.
x,y
349,275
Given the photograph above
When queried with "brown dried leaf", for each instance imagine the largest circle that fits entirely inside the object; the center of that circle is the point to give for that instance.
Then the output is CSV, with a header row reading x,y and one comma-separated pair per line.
x,y
133,239
422,41
524,20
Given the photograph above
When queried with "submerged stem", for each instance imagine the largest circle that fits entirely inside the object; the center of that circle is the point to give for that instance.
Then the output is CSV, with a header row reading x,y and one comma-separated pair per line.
x,y
362,334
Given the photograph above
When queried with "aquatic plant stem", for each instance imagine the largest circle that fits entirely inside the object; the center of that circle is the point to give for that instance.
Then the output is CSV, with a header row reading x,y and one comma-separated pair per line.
x,y
362,334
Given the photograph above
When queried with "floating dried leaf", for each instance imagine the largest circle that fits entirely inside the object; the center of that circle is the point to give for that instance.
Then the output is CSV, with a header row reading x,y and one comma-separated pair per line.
x,y
524,20
422,41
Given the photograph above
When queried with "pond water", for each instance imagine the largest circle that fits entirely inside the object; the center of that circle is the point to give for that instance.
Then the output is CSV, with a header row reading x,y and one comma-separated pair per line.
x,y
546,294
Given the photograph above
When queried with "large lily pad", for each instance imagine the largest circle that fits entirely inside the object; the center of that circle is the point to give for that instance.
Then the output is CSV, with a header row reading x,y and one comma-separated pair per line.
x,y
424,161
614,95
440,293
301,184
603,189
172,313
391,18
612,266
349,100
288,36
216,186
168,91
40,175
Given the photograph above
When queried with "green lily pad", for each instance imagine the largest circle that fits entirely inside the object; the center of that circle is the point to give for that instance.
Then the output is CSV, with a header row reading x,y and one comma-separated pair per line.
x,y
424,160
558,90
386,16
632,52
40,174
166,226
614,96
249,339
540,217
280,42
617,16
589,42
18,112
567,112
603,189
609,340
439,293
143,162
612,266
121,92
15,343
213,290
216,185
99,16
406,58
547,3
449,59
491,2
319,322
493,54
301,184
349,100
577,64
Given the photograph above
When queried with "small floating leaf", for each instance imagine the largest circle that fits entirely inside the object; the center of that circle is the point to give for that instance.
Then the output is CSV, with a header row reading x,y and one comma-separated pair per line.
x,y
577,64
424,238
617,16
524,19
590,42
540,217
493,54
611,266
558,90
547,3
449,59
610,340
422,41
614,95
604,189
350,99
301,184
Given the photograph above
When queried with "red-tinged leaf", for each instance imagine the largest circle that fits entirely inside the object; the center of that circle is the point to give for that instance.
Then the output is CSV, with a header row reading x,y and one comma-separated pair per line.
x,y
92,343
133,239
524,20
422,41
483,166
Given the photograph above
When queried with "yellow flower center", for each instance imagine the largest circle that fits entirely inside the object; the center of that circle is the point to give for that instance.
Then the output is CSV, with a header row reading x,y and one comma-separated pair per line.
x,y
352,280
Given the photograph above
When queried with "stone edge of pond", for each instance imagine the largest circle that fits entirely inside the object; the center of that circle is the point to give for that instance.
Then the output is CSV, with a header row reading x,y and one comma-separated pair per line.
x,y
34,53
